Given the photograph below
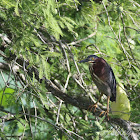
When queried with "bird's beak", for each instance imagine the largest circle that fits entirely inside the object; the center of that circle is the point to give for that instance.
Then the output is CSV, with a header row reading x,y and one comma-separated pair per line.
x,y
83,61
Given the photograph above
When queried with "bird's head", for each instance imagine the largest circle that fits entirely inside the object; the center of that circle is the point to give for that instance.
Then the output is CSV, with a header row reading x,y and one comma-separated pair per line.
x,y
89,59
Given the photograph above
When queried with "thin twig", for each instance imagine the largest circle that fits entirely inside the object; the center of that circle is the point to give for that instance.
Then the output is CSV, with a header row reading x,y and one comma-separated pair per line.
x,y
89,36
35,114
65,55
5,38
132,28
58,113
3,78
30,125
134,21
71,132
40,36
135,3
67,81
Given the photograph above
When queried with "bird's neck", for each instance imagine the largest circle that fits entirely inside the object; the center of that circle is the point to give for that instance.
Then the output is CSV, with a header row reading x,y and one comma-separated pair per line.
x,y
99,66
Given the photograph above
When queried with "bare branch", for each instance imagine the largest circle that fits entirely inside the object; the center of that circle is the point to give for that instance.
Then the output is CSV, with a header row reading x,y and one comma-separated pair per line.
x,y
58,113
89,36
65,55
132,28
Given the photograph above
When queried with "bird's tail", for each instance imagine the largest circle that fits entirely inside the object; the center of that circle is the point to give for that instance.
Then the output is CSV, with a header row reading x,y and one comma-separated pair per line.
x,y
113,97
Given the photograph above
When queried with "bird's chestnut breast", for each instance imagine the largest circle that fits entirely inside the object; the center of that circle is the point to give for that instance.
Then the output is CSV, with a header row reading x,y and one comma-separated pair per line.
x,y
99,68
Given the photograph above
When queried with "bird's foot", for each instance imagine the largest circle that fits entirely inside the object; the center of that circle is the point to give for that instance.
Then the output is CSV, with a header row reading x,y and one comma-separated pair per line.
x,y
105,113
91,107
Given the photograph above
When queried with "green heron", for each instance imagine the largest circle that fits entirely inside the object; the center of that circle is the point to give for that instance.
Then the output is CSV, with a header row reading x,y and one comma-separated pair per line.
x,y
103,77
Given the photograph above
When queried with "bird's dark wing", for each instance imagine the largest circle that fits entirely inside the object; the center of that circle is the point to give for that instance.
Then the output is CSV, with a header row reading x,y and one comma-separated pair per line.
x,y
112,84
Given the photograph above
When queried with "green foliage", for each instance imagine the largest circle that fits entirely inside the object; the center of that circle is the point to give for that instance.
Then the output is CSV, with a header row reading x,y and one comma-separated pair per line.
x,y
7,97
35,28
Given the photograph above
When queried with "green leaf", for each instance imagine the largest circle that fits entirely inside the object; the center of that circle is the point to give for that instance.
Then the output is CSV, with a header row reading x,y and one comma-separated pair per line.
x,y
52,54
16,8
7,97
40,71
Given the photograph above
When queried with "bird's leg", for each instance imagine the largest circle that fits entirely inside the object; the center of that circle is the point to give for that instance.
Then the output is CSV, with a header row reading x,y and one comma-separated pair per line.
x,y
95,105
106,112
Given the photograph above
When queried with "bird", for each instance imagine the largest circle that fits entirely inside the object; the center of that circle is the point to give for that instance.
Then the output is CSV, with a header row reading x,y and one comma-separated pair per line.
x,y
104,78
